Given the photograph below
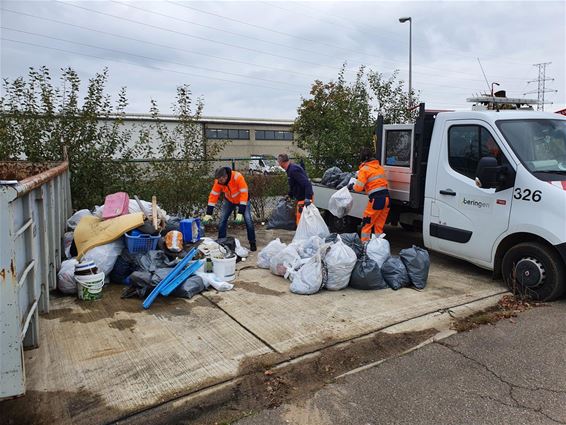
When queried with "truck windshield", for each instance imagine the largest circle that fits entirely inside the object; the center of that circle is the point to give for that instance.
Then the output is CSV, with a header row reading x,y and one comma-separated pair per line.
x,y
540,144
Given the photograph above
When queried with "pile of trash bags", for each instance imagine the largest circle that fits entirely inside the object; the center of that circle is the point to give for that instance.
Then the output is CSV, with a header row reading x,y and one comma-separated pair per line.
x,y
335,178
141,270
316,259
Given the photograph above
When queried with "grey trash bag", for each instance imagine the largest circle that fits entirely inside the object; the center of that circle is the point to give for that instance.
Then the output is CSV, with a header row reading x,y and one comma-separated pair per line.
x,y
395,273
354,242
283,216
192,286
367,275
345,180
330,175
417,262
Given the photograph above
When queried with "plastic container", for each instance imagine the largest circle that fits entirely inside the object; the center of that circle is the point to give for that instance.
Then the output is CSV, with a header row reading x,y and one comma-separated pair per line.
x,y
89,286
191,229
224,268
115,205
85,268
140,242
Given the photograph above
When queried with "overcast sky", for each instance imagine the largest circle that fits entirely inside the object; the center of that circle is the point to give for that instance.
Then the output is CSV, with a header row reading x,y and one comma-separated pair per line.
x,y
256,59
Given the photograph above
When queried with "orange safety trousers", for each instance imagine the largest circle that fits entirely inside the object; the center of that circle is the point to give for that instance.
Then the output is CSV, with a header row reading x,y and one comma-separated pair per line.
x,y
374,219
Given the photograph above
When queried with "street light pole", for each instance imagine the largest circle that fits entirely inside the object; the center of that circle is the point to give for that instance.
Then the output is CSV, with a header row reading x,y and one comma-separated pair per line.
x,y
403,20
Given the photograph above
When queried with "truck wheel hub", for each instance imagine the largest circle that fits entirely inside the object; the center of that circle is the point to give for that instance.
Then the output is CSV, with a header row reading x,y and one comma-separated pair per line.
x,y
530,272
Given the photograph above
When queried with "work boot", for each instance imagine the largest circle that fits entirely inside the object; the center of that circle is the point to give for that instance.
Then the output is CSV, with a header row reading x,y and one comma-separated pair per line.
x,y
253,246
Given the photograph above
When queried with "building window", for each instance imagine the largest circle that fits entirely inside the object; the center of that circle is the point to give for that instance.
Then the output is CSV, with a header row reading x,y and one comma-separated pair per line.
x,y
273,135
231,133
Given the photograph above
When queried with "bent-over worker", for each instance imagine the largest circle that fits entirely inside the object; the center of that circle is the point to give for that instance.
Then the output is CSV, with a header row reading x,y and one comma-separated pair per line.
x,y
371,179
235,189
300,187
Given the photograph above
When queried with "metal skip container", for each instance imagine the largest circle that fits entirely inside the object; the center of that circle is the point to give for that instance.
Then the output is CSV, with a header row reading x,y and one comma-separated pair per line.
x,y
35,201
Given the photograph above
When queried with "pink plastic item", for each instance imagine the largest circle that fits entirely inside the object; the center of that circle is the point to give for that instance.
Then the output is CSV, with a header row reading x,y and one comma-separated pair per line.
x,y
115,205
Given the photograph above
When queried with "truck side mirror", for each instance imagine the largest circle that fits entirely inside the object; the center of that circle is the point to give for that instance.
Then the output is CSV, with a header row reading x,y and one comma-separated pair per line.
x,y
488,173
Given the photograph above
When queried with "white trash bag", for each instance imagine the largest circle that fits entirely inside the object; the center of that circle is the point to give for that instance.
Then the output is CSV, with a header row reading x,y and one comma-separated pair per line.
x,y
66,277
378,249
210,279
340,204
283,261
308,279
73,221
105,256
311,224
240,250
272,248
340,260
308,248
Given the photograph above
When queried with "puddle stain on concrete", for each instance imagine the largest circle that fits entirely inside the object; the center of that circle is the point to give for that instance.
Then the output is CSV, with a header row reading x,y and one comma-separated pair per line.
x,y
256,288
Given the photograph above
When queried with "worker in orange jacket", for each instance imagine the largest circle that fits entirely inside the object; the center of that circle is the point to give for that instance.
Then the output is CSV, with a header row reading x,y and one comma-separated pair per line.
x,y
371,180
235,189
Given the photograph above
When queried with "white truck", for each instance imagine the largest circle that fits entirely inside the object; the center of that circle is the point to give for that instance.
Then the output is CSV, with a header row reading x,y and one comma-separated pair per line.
x,y
488,187
264,165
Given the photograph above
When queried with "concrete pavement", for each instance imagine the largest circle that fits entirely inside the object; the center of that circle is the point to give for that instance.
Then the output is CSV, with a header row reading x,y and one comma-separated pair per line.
x,y
508,373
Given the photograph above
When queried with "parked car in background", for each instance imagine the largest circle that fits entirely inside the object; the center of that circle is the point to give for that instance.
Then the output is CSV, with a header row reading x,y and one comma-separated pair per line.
x,y
264,165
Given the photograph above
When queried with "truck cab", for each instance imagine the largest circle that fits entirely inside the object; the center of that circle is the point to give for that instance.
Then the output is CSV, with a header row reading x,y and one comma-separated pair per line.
x,y
488,187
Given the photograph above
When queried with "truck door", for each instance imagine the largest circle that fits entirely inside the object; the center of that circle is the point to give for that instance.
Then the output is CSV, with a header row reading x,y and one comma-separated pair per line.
x,y
469,219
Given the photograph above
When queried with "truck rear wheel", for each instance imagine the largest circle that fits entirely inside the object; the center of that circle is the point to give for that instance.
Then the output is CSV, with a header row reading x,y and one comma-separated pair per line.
x,y
534,270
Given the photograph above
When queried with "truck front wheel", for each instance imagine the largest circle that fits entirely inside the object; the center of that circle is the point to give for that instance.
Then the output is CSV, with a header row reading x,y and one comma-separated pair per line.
x,y
534,270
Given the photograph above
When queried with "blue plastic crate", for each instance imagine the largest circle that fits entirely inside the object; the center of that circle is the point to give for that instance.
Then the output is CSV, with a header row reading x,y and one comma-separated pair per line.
x,y
141,242
191,229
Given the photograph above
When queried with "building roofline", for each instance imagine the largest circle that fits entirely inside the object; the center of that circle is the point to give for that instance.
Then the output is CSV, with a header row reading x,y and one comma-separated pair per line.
x,y
205,119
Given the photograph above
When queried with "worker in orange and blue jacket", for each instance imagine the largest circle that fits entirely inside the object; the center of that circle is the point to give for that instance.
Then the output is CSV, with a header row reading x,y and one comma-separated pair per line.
x,y
371,180
235,189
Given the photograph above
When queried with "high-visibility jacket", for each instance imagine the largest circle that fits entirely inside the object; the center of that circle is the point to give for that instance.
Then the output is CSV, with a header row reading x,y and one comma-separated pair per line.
x,y
235,190
371,178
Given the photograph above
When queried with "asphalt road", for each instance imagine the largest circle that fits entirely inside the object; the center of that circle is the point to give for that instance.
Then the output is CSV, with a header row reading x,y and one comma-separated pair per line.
x,y
513,372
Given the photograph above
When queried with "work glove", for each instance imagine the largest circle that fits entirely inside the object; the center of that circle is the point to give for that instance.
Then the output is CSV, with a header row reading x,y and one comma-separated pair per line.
x,y
207,219
307,202
239,219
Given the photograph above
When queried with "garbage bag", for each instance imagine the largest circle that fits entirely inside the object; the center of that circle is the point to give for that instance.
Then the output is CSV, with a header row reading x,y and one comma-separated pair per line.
x,y
330,174
67,242
66,277
228,242
155,259
308,248
240,250
272,248
308,279
125,265
210,279
354,242
104,256
76,217
340,204
283,216
189,288
378,249
395,273
173,223
340,260
417,262
139,284
311,224
367,275
345,181
282,261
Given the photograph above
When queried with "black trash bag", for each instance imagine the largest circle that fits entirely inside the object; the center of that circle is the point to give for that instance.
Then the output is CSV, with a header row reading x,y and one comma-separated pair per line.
x,y
345,180
154,259
333,237
395,273
141,283
125,265
354,242
330,174
192,286
148,229
173,223
367,275
417,262
283,216
228,242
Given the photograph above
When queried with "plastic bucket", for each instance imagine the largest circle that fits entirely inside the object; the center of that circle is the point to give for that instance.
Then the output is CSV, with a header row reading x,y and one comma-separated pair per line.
x,y
224,268
89,287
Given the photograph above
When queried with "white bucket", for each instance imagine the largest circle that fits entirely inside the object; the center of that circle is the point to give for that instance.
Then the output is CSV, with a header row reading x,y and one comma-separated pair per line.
x,y
224,268
89,287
